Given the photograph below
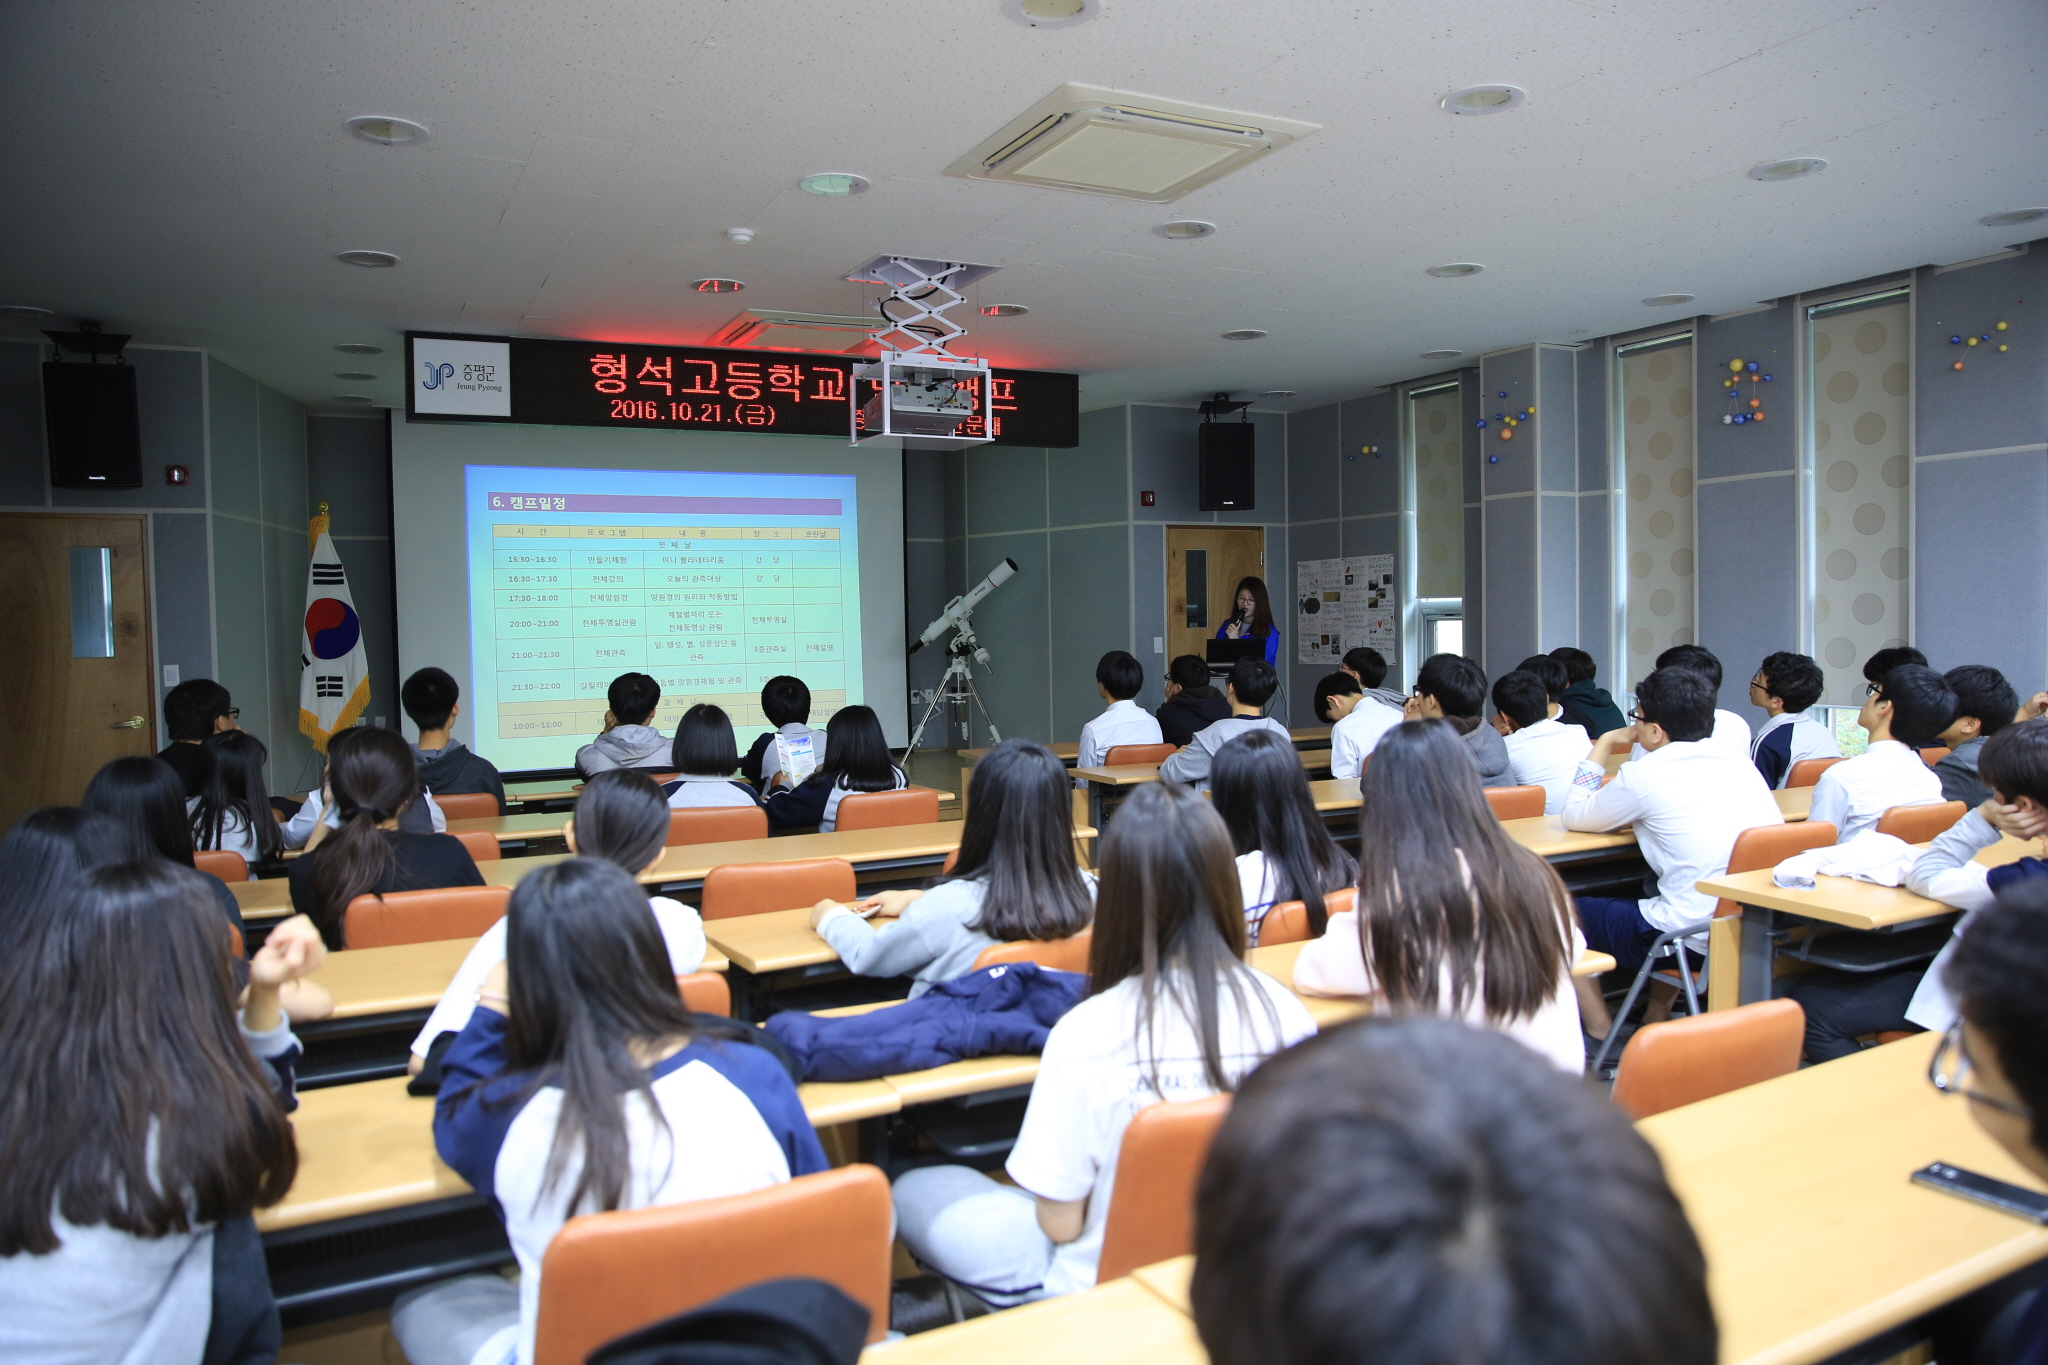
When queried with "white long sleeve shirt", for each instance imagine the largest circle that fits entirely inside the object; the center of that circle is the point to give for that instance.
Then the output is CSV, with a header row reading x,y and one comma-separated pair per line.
x,y
1949,872
1547,755
1687,802
1853,795
1353,738
1731,735
1121,722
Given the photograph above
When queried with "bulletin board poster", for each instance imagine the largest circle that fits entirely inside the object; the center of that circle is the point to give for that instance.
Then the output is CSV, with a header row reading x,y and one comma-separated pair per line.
x,y
1343,604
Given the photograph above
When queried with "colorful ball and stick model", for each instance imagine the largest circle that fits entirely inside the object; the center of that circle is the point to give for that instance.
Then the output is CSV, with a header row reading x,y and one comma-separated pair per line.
x,y
1509,421
1741,410
1967,342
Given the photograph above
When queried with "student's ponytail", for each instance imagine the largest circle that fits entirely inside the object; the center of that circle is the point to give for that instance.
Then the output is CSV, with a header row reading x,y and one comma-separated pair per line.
x,y
373,777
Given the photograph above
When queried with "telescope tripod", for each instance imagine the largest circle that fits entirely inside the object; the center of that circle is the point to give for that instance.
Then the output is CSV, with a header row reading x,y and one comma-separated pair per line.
x,y
957,688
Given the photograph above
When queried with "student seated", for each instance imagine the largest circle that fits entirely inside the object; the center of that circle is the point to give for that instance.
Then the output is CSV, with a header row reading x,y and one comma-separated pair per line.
x,y
1015,878
1889,658
1192,704
373,777
1688,798
232,811
319,815
1556,682
2000,980
432,701
628,741
1251,685
1174,1015
580,1086
1335,697
856,760
1454,917
1449,687
1784,687
786,701
1542,751
621,819
194,710
1377,710
1731,732
1410,1190
1369,666
1284,851
1985,704
1118,677
43,858
126,1234
1583,703
705,756
1904,712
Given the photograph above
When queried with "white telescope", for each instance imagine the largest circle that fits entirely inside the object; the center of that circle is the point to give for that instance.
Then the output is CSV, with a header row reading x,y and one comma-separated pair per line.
x,y
960,608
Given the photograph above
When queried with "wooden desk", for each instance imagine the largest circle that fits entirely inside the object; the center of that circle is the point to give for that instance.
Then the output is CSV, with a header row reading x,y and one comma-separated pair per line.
x,y
1277,962
1068,754
1794,803
1119,1323
777,941
514,828
411,976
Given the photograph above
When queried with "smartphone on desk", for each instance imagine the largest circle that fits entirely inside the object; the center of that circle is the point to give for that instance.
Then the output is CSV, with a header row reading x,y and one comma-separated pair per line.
x,y
2028,1204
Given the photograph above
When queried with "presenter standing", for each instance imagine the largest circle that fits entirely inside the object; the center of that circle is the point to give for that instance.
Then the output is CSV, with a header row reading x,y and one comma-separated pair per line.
x,y
1253,619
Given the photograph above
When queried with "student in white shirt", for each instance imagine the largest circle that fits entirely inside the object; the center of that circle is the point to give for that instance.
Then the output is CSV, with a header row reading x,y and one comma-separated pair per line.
x,y
1173,1015
1556,680
1454,917
1542,750
1357,718
1730,732
1688,799
1784,687
705,756
1252,684
1118,677
1284,851
620,818
232,811
1014,878
1908,709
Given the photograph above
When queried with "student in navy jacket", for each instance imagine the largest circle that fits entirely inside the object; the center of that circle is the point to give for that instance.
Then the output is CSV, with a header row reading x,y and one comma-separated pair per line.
x,y
856,760
578,1087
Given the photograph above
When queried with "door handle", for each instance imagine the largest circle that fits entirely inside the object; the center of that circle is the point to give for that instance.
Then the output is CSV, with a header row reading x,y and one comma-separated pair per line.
x,y
132,723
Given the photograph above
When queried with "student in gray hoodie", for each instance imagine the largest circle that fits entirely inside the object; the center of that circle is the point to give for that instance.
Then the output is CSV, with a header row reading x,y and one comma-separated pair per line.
x,y
1251,685
430,698
1453,688
1985,704
628,740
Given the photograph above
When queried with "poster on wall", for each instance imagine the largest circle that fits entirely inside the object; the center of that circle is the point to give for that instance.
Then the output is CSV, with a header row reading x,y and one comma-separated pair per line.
x,y
1343,604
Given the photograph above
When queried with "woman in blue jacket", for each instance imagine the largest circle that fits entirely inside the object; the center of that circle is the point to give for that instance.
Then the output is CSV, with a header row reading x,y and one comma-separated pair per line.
x,y
1253,619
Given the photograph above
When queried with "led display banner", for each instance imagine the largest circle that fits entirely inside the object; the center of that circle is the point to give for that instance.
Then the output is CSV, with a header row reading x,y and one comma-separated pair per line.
x,y
457,378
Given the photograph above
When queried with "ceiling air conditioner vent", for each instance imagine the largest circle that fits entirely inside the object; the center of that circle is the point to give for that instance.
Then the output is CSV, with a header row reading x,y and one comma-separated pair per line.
x,y
774,329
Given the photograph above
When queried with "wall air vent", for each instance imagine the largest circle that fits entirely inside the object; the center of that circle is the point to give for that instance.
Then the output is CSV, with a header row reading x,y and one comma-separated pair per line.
x,y
1101,141
773,329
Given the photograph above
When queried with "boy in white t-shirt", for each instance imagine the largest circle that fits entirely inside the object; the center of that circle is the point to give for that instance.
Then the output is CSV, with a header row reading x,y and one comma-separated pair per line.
x,y
1542,752
1356,717
1907,709
1118,676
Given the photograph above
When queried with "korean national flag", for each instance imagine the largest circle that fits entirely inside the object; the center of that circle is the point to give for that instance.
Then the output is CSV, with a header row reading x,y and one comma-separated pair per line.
x,y
334,684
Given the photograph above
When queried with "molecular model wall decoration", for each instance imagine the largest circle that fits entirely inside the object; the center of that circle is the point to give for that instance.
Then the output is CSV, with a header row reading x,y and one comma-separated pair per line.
x,y
1508,422
1744,408
1967,341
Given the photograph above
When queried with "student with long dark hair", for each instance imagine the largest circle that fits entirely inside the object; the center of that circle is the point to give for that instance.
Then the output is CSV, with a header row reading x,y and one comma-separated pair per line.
x,y
1453,917
141,1123
1284,851
1015,878
1173,1014
373,777
856,760
578,1087
705,756
620,818
232,812
43,858
1252,618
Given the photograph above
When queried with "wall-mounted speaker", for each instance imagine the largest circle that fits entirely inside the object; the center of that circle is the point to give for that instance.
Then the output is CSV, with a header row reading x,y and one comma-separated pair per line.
x,y
91,421
1229,469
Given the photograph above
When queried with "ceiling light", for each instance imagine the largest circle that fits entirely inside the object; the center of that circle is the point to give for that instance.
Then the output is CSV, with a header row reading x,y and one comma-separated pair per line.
x,y
358,348
392,132
2012,217
354,376
1444,354
372,260
1456,270
1667,300
26,312
1278,393
1185,230
1244,334
740,235
1791,168
1484,99
352,398
1005,310
1052,13
717,286
833,184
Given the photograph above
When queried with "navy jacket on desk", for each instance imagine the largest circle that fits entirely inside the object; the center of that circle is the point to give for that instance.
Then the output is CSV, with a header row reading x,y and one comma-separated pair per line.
x,y
995,1011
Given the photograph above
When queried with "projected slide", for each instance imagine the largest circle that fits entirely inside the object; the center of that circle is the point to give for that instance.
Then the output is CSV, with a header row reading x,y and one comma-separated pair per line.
x,y
713,583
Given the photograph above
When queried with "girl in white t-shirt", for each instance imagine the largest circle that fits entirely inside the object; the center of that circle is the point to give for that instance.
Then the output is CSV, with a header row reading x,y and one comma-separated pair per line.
x,y
1454,917
232,811
1188,1023
1284,851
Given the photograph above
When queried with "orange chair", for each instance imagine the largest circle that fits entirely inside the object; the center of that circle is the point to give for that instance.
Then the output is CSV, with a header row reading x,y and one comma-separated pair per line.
x,y
946,868
716,825
1933,756
469,806
1060,954
1918,824
1807,771
1287,922
881,810
1515,803
229,867
423,916
706,992
607,1274
1152,754
483,848
1682,1061
1152,1204
752,888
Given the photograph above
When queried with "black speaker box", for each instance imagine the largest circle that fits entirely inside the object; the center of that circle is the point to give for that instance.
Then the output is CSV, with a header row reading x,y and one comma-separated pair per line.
x,y
89,414
1229,468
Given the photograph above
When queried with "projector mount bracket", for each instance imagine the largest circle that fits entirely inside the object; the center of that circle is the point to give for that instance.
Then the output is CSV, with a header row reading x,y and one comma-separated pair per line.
x,y
920,389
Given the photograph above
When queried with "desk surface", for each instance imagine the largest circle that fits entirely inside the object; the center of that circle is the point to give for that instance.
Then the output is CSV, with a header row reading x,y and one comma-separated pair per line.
x,y
504,828
776,941
411,976
558,790
1137,774
1846,901
1119,1323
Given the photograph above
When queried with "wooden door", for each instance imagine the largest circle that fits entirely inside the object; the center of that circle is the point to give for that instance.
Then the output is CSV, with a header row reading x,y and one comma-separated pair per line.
x,y
1209,561
70,707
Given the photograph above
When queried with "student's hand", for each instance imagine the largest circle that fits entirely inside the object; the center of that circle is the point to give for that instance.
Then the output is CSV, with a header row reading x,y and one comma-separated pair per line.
x,y
2036,705
1607,744
886,904
496,992
1172,689
1411,709
292,950
826,907
611,722
2023,820
1502,724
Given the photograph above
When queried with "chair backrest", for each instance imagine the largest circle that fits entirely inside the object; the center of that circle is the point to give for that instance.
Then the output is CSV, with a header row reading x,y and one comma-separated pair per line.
x,y
1807,771
706,992
229,867
752,888
1768,845
946,868
880,810
1515,803
1918,824
483,848
607,1274
1682,1061
423,916
716,825
1152,1204
1060,954
1287,922
1138,753
1933,756
468,805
